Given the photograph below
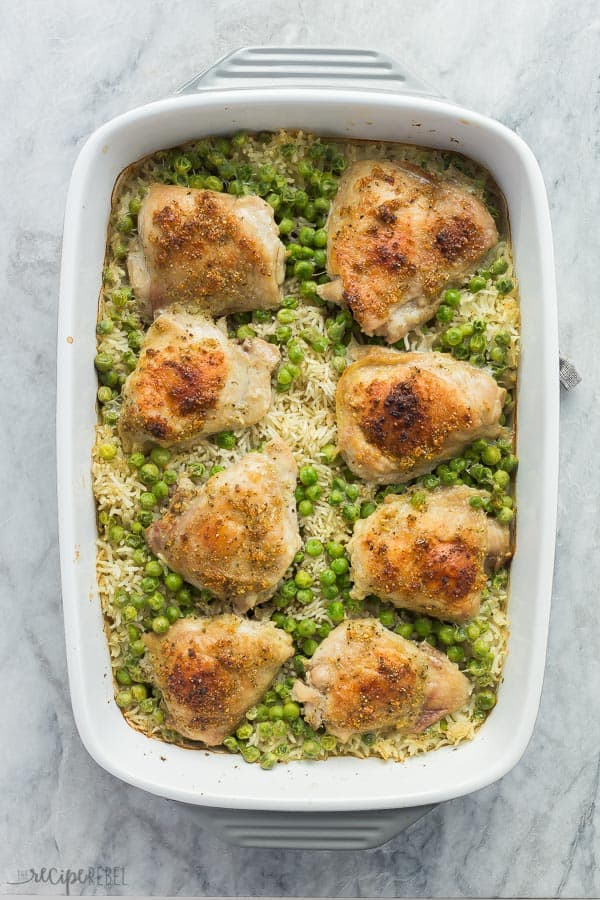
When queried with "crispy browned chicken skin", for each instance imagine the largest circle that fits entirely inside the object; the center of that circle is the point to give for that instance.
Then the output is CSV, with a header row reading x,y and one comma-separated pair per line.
x,y
400,414
206,249
429,559
397,236
212,670
191,381
237,534
364,677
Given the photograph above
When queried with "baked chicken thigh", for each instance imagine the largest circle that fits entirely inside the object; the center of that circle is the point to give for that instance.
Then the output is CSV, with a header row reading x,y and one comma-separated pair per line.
x,y
397,236
191,381
212,670
206,249
237,534
430,559
364,677
401,414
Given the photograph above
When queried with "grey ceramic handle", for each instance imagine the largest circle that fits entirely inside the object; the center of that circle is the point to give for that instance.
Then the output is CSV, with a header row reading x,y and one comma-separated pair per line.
x,y
310,67
309,831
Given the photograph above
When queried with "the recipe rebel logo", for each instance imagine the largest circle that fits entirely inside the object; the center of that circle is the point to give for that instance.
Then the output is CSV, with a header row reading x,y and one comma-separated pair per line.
x,y
91,876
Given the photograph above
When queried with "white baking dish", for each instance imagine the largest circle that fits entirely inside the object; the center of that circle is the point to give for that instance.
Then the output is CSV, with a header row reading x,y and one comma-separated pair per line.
x,y
368,97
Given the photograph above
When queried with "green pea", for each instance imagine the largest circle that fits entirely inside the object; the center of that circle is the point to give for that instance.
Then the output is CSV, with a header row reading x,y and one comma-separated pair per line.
x,y
387,617
314,492
153,568
311,749
304,595
505,515
444,314
136,460
327,577
340,565
320,344
453,337
320,238
276,711
250,754
160,490
306,628
497,355
452,298
295,352
499,266
308,475
288,589
503,339
160,624
456,654
504,285
306,235
286,226
309,646
485,700
303,579
446,635
477,343
351,491
314,547
491,455
214,470
116,533
173,581
291,711
334,549
509,463
477,283
103,362
231,744
330,591
137,648
405,630
335,498
303,270
422,626
124,699
351,512
147,500
149,473
212,183
480,648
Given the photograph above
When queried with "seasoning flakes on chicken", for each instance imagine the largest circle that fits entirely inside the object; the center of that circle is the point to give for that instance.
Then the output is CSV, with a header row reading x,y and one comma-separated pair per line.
x,y
397,236
430,558
192,381
401,414
237,534
212,670
206,250
364,678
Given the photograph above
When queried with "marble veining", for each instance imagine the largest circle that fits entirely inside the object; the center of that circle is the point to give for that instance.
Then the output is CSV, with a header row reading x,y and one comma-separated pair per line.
x,y
69,66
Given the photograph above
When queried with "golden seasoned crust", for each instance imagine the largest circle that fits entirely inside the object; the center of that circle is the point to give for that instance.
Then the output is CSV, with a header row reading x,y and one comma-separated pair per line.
x,y
186,237
400,414
192,381
364,677
378,685
237,534
430,560
184,383
397,236
206,250
408,418
212,670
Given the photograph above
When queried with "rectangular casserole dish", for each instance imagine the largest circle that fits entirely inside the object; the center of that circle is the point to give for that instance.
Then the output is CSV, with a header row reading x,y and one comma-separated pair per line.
x,y
348,94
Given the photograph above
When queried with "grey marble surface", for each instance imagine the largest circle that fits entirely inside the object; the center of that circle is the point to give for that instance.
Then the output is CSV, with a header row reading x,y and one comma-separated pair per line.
x,y
69,66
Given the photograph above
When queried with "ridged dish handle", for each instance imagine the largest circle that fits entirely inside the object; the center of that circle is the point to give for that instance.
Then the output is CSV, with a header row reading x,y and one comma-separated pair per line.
x,y
309,831
309,67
